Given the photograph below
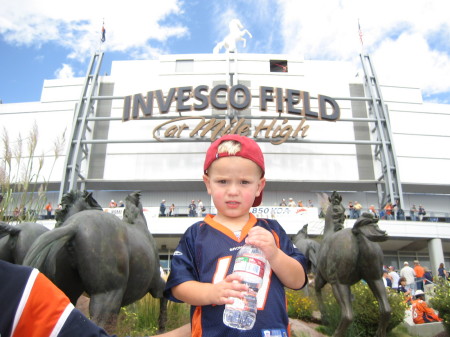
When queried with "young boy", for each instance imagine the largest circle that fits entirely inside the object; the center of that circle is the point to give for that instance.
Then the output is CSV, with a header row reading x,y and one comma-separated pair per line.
x,y
202,265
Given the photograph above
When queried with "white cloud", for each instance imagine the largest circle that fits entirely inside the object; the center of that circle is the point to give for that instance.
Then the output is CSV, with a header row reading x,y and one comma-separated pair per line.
x,y
64,72
130,25
409,40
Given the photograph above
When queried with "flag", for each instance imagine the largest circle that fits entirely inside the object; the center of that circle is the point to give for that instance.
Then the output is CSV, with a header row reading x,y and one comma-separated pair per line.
x,y
103,39
360,33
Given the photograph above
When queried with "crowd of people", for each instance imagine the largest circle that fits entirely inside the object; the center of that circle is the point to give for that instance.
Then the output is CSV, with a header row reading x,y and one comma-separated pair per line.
x,y
416,284
194,209
293,203
391,211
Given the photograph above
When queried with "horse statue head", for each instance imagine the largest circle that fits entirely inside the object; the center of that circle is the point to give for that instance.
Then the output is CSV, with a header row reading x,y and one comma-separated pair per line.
x,y
74,202
335,215
236,34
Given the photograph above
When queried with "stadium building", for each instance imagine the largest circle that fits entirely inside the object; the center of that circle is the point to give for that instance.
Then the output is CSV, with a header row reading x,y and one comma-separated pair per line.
x,y
322,126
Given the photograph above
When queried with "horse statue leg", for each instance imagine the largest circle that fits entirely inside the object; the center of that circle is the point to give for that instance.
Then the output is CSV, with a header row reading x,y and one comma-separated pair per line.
x,y
319,283
379,291
105,307
343,295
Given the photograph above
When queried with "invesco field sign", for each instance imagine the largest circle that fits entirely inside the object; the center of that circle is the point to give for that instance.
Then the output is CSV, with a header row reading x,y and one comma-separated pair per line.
x,y
237,97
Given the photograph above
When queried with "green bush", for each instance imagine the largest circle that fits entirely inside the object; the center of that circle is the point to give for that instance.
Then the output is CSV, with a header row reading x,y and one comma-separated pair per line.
x,y
365,311
441,302
299,305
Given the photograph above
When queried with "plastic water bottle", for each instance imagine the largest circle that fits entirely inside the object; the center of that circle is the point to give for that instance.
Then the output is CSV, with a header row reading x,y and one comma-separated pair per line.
x,y
250,264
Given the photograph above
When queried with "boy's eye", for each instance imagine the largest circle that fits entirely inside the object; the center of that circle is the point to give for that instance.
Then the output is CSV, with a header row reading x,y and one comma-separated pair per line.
x,y
222,181
245,182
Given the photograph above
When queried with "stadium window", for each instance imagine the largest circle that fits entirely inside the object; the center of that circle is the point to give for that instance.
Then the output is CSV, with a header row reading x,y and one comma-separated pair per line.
x,y
278,66
184,66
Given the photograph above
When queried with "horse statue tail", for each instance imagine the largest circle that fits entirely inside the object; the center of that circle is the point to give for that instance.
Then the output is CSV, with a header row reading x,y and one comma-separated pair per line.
x,y
6,229
44,251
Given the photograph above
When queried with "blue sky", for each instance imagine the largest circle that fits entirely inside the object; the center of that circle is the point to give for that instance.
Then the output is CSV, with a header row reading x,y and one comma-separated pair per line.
x,y
409,41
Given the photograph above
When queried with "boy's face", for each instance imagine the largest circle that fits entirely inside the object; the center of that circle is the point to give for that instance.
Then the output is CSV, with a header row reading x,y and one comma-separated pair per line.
x,y
233,183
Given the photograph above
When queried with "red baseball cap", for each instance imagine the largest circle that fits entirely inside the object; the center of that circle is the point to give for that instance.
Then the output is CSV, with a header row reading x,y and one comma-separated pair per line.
x,y
249,150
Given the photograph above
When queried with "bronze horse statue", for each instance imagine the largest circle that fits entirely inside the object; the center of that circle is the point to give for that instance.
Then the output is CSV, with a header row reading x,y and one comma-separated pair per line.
x,y
308,247
114,261
15,241
347,256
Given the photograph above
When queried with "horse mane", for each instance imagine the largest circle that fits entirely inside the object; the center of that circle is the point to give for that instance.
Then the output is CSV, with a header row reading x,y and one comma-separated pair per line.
x,y
6,229
133,212
72,198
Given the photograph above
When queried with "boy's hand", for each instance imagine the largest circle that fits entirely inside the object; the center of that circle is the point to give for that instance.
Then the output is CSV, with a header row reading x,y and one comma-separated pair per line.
x,y
223,291
264,240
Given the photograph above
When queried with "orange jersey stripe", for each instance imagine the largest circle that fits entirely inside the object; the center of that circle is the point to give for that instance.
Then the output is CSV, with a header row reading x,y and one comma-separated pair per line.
x,y
196,329
43,309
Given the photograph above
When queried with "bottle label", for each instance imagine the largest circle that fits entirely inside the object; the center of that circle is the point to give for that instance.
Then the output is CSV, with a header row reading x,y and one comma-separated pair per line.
x,y
249,264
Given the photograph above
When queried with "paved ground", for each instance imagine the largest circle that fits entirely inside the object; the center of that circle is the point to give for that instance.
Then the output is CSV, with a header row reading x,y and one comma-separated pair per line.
x,y
300,329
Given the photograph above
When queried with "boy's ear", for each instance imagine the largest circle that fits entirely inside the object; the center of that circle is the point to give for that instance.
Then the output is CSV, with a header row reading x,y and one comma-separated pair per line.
x,y
206,180
262,184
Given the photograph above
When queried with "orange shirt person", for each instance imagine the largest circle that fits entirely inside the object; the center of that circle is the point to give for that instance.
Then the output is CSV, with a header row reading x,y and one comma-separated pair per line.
x,y
421,312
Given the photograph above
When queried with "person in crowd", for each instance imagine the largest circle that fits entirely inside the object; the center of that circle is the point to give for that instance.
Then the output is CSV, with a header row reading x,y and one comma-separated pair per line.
x,y
389,211
413,213
428,283
387,280
421,212
394,276
162,208
310,203
200,207
351,210
421,312
283,203
442,272
420,272
112,204
192,209
299,203
172,210
121,203
373,211
291,203
406,292
49,210
357,209
234,177
409,274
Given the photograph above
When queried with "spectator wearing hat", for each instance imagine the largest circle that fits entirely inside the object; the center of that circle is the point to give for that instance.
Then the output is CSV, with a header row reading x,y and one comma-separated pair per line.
x,y
409,274
112,204
421,312
291,203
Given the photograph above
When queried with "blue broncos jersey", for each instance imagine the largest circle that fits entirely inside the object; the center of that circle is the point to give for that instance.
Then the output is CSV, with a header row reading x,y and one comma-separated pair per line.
x,y
206,253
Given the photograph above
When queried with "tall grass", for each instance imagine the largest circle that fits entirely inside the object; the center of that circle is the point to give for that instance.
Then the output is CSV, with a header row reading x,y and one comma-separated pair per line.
x,y
141,317
23,187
